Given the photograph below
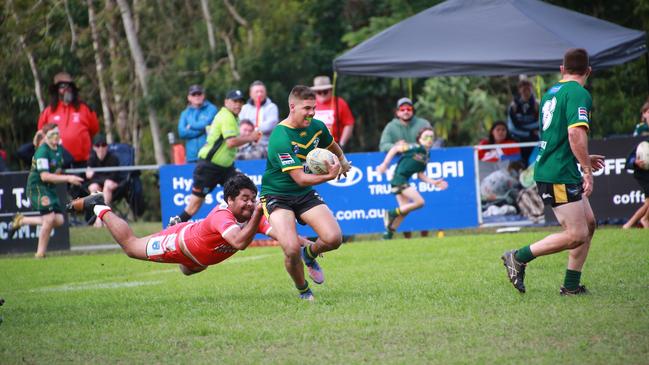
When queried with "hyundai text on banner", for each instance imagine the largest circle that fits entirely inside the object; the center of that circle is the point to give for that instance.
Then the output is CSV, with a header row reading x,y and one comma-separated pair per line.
x,y
13,198
358,202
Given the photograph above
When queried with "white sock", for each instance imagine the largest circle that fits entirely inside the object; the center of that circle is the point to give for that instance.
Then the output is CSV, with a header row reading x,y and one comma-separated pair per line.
x,y
100,210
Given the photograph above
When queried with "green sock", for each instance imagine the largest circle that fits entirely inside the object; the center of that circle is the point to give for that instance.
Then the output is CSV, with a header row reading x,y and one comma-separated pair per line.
x,y
304,288
571,282
310,253
395,211
524,255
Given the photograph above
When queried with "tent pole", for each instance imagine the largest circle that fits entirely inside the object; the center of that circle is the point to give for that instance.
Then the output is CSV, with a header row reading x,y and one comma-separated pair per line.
x,y
646,64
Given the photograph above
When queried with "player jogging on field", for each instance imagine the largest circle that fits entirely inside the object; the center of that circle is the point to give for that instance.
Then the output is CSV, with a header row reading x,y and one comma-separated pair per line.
x,y
564,123
414,159
194,245
287,193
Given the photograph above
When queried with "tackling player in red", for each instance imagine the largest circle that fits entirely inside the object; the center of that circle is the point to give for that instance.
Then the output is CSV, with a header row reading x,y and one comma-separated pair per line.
x,y
193,245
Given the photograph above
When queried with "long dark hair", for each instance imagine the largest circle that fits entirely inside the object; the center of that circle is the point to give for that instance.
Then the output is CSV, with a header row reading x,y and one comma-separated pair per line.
x,y
491,131
54,96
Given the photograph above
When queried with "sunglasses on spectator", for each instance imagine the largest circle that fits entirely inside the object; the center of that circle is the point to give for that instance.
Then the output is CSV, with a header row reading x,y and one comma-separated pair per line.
x,y
322,92
196,94
63,85
101,145
405,108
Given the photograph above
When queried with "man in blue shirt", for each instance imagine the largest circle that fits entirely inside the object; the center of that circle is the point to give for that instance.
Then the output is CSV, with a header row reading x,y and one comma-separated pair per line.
x,y
194,121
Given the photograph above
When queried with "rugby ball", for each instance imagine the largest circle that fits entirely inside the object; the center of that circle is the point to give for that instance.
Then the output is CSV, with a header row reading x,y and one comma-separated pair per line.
x,y
316,158
642,154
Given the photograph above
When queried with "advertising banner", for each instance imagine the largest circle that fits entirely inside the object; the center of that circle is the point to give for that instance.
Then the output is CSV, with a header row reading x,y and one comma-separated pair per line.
x,y
358,202
13,198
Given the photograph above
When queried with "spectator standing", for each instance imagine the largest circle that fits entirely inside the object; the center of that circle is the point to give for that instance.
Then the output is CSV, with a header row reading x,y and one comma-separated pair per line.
x,y
403,130
265,116
105,182
216,159
499,134
194,120
642,128
333,111
76,122
250,150
523,118
46,172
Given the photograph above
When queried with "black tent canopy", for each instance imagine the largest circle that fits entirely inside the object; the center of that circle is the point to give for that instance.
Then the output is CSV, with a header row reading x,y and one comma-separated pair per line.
x,y
489,37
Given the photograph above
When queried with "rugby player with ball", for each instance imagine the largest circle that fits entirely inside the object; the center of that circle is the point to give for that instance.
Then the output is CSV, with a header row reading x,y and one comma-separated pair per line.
x,y
287,191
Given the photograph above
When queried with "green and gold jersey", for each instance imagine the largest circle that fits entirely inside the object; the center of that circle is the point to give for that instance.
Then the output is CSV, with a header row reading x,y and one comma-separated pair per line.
x,y
215,150
45,160
565,105
414,159
287,150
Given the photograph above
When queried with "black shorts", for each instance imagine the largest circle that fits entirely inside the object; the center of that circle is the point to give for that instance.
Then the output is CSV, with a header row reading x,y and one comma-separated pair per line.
x,y
559,194
207,175
299,204
644,185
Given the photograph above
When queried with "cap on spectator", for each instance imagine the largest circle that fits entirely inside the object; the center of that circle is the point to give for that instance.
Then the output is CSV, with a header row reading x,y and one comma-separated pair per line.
x,y
234,95
99,139
62,77
195,89
404,101
321,83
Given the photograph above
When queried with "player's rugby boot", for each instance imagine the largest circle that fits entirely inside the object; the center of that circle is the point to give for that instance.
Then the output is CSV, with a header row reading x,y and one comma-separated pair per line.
x,y
315,271
387,235
14,225
307,295
388,218
515,270
581,289
174,220
85,204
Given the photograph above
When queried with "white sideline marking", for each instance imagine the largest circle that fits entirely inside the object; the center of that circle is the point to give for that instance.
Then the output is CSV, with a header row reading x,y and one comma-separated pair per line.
x,y
244,259
113,285
131,284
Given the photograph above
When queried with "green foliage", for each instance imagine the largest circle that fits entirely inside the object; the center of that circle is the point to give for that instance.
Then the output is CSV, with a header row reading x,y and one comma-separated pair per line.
x,y
420,301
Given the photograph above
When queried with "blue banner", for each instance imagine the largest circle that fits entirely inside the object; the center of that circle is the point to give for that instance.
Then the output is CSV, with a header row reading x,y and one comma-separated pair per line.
x,y
358,202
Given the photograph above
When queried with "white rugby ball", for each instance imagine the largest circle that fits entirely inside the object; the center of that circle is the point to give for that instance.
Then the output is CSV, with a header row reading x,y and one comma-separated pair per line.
x,y
316,158
642,154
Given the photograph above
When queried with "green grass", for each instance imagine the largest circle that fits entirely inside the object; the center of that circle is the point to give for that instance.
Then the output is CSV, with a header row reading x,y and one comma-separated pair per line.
x,y
404,301
88,235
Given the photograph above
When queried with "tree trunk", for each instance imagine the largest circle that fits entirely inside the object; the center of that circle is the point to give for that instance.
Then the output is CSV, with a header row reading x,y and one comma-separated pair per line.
x,y
99,64
73,32
141,74
210,28
233,61
119,104
32,62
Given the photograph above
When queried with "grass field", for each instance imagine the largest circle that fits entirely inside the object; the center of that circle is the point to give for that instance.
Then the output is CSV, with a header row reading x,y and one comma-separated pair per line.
x,y
404,301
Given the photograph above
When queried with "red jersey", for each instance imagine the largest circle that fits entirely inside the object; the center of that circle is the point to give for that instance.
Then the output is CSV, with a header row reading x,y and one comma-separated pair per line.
x,y
499,153
326,113
203,240
77,127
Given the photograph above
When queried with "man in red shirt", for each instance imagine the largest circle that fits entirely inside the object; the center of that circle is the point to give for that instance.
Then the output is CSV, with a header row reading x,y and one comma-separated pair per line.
x,y
76,121
332,111
194,245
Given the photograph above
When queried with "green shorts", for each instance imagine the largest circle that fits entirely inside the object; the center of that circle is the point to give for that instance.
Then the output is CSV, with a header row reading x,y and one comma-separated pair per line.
x,y
298,204
44,199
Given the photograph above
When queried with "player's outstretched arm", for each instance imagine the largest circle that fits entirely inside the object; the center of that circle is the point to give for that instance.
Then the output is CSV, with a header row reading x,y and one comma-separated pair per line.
x,y
304,179
241,238
441,184
389,156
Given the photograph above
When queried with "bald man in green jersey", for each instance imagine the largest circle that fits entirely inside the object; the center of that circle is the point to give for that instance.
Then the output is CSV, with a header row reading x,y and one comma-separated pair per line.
x,y
287,193
564,124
